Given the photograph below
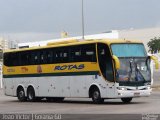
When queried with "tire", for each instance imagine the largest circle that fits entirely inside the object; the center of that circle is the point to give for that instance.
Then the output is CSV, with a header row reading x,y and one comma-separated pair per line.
x,y
126,100
31,94
96,96
21,95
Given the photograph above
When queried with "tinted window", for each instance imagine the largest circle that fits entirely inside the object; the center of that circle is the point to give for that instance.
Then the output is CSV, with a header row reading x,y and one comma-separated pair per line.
x,y
105,62
78,53
128,50
25,58
11,59
83,53
61,55
89,53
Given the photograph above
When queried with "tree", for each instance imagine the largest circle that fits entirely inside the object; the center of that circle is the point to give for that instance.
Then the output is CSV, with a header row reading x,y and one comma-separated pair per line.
x,y
154,45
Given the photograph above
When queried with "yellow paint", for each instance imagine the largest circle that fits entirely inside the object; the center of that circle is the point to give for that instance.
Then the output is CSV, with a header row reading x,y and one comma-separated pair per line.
x,y
49,68
155,59
117,62
61,42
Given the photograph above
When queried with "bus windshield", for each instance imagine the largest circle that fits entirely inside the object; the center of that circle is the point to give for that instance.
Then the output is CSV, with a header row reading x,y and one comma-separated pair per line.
x,y
128,50
135,65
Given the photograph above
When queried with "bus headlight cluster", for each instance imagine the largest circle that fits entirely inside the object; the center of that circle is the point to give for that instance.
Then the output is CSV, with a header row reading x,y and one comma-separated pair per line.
x,y
148,87
121,88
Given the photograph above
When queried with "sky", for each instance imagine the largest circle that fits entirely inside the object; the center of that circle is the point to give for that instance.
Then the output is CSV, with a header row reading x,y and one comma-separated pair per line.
x,y
26,20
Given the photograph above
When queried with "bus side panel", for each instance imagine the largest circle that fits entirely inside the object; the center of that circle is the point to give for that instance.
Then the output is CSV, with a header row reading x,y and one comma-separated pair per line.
x,y
8,86
25,82
43,86
60,86
78,85
107,89
54,86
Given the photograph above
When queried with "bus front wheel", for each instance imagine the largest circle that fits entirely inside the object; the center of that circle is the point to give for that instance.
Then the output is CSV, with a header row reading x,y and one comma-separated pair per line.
x,y
21,94
31,94
96,96
126,100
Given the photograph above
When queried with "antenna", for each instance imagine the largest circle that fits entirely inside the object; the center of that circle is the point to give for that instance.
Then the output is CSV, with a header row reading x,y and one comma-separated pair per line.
x,y
82,21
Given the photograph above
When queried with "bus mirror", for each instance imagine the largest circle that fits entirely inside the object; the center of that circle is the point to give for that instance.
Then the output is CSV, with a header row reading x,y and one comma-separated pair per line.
x,y
117,62
155,59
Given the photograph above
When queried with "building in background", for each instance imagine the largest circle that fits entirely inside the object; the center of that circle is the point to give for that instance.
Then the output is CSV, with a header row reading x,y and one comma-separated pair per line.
x,y
3,46
144,35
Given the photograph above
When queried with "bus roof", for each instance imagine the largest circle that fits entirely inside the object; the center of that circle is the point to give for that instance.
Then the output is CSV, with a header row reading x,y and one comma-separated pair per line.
x,y
75,42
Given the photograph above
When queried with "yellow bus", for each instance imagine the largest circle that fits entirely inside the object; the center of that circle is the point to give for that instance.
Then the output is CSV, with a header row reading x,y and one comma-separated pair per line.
x,y
98,69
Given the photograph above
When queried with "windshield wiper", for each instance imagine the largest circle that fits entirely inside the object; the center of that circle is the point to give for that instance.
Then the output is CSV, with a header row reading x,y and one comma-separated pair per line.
x,y
136,74
130,72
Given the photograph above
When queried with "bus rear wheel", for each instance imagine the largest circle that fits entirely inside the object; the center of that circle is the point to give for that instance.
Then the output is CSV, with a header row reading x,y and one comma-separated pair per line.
x,y
31,94
96,96
126,100
21,95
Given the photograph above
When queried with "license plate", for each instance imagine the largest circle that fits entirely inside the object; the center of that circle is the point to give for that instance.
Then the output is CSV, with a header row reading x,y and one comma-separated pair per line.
x,y
136,94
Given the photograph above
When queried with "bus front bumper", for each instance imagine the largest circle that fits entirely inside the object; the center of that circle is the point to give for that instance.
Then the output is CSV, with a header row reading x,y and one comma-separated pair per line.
x,y
133,93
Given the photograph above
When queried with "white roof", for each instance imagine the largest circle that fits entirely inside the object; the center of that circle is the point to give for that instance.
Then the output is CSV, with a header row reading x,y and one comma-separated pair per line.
x,y
108,35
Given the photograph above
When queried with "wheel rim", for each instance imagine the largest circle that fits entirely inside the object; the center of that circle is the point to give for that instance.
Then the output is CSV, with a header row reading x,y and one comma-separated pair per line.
x,y
95,95
21,94
30,95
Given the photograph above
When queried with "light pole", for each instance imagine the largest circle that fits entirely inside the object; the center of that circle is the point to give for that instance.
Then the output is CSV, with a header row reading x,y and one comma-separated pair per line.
x,y
82,21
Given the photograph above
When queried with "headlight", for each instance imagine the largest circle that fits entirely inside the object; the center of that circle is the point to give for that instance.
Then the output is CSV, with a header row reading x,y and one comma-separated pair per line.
x,y
148,87
121,88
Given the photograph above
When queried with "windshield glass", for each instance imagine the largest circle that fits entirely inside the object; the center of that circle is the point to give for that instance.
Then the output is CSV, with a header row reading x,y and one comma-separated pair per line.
x,y
135,65
134,70
128,50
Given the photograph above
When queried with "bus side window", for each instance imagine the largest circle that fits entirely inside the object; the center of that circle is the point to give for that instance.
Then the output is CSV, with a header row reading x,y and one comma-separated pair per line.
x,y
75,54
49,56
14,59
62,55
65,55
43,57
6,59
57,56
25,58
35,58
89,53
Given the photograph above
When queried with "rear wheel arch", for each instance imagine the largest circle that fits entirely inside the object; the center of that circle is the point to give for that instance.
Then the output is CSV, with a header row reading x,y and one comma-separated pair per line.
x,y
31,86
18,88
31,96
21,93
